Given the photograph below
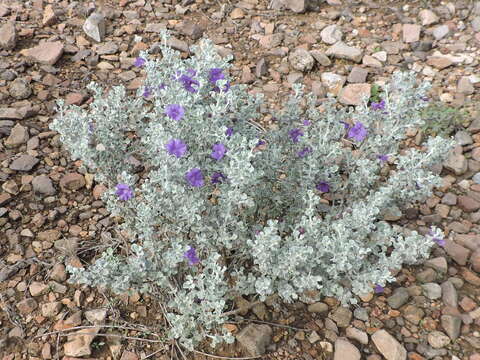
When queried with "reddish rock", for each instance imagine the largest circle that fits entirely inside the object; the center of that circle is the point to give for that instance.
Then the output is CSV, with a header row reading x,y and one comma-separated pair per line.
x,y
128,355
75,98
439,62
5,198
457,252
475,260
467,304
411,33
72,181
49,235
45,53
26,306
468,204
470,277
354,94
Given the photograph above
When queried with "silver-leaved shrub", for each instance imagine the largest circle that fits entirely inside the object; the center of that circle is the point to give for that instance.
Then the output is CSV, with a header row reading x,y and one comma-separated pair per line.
x,y
215,208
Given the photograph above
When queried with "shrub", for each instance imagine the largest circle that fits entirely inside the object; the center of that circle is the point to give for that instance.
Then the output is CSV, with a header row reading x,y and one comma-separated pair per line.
x,y
219,209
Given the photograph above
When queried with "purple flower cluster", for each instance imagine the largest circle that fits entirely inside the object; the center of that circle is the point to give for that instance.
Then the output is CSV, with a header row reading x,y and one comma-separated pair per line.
x,y
295,135
304,152
440,241
218,151
124,192
176,147
378,289
229,132
358,132
175,111
218,178
323,187
216,74
139,62
191,256
378,106
382,158
188,81
195,177
147,91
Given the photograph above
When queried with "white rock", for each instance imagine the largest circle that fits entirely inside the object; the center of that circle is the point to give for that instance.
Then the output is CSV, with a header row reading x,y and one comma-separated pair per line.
x,y
94,27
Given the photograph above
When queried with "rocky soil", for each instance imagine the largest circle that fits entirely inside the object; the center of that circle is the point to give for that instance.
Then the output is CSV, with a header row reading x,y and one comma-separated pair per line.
x,y
51,213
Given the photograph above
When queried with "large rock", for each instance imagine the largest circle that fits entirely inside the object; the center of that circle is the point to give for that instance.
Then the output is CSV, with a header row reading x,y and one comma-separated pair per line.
x,y
8,36
388,346
399,298
42,184
342,316
94,27
331,34
340,50
20,89
301,60
451,324
18,136
45,53
345,350
79,343
11,114
333,82
24,163
72,181
411,33
255,339
354,94
456,163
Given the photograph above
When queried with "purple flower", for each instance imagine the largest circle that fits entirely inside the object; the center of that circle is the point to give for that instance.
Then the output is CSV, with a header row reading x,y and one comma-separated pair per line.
x,y
306,123
260,142
323,187
417,186
378,289
301,230
345,125
229,132
195,177
176,147
304,152
162,86
295,134
378,106
218,151
215,74
147,91
382,158
124,192
191,256
218,178
188,81
357,132
424,98
174,111
139,62
440,241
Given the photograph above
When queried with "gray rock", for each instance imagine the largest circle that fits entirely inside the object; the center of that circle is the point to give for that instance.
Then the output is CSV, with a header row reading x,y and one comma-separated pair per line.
x,y
358,335
476,178
342,316
451,324
388,346
255,339
465,86
191,29
301,60
298,6
178,44
314,337
24,163
340,50
456,163
432,290
94,27
18,136
320,57
476,23
430,352
357,75
109,48
345,350
437,339
96,316
20,89
360,314
438,264
463,138
8,36
427,275
449,294
331,34
440,32
42,184
399,298
392,213
261,69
